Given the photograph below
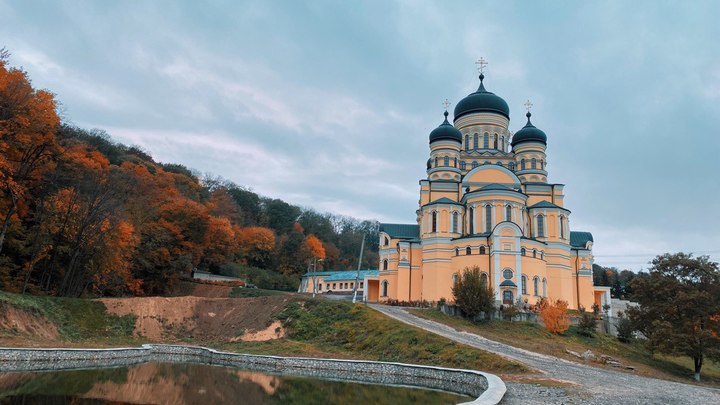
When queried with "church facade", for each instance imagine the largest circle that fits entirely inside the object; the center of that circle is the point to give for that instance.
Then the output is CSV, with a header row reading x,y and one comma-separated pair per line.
x,y
487,202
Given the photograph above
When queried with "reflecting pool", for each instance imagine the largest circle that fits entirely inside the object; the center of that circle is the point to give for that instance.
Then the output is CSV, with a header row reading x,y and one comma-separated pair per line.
x,y
178,383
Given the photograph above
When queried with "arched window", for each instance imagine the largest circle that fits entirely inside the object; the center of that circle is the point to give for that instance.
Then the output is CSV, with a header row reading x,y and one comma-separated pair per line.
x,y
484,278
499,163
544,288
474,164
434,221
446,161
508,212
522,251
536,286
462,165
502,143
455,278
468,250
471,221
542,164
475,141
488,218
522,164
542,255
533,163
386,241
511,166
482,250
562,227
495,143
541,225
524,285
454,162
467,142
486,141
436,161
508,297
455,222
385,264
384,289
534,253
457,251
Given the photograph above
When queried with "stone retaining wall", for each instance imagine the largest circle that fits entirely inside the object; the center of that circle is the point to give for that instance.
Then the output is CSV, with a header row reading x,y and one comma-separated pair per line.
x,y
487,388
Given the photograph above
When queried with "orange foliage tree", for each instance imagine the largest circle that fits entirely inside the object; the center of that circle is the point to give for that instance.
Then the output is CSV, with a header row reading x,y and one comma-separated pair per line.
x,y
257,244
554,315
315,246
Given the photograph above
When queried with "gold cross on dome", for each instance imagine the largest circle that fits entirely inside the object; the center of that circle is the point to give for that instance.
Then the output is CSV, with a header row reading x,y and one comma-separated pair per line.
x,y
481,63
528,105
446,104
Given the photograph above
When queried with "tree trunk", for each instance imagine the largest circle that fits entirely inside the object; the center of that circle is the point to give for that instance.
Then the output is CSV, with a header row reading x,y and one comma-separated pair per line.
x,y
698,365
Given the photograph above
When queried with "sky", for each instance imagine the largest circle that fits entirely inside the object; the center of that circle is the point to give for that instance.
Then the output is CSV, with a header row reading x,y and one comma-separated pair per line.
x,y
328,104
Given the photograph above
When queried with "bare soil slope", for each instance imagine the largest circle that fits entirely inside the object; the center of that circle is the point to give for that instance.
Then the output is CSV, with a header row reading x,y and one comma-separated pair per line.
x,y
165,318
23,322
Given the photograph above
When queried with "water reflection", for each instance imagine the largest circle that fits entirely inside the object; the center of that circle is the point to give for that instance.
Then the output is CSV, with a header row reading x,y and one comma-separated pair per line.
x,y
160,383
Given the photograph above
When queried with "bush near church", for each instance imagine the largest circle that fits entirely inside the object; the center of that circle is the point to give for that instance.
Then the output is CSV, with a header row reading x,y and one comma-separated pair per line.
x,y
471,294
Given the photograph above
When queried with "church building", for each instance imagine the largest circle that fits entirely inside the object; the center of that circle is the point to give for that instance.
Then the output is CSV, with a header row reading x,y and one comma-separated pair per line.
x,y
487,202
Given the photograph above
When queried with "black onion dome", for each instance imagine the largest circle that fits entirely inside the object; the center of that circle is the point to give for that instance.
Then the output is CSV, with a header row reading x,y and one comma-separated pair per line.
x,y
482,101
529,133
445,132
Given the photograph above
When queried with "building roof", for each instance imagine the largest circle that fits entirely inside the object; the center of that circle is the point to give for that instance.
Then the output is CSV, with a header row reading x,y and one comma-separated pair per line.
x,y
580,239
445,132
529,133
508,283
547,204
401,231
342,275
482,101
443,200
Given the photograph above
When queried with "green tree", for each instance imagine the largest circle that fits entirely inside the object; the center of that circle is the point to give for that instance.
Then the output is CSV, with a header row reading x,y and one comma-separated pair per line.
x,y
471,294
679,307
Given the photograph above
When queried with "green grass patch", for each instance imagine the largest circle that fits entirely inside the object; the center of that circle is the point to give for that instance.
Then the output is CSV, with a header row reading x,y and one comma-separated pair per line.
x,y
242,292
76,319
353,330
536,338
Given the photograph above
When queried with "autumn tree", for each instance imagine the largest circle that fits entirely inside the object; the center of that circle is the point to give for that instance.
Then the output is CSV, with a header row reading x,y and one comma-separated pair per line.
x,y
679,307
472,295
554,315
28,120
257,245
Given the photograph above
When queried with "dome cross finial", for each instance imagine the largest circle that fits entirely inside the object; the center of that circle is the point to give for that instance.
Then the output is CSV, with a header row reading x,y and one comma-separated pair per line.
x,y
446,104
528,105
481,63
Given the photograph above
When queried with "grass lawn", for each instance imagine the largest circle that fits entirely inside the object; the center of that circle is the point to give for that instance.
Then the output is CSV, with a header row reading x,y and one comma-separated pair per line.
x,y
533,337
242,292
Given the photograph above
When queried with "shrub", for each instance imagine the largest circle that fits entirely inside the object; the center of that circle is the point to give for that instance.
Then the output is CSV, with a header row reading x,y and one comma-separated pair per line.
x,y
471,294
554,315
625,328
586,325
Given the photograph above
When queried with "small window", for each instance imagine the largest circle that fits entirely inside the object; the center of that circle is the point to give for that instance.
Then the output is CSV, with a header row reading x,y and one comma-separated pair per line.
x,y
484,278
536,289
562,227
467,142
534,253
508,297
495,143
446,161
468,250
474,164
502,143
488,218
352,285
522,251
384,289
498,163
511,166
385,264
319,287
482,250
362,284
508,212
544,288
462,165
334,286
455,164
524,285
386,241
436,161
475,141
540,225
471,221
455,222
486,141
327,286
533,163
542,255
522,164
457,251
434,221
507,274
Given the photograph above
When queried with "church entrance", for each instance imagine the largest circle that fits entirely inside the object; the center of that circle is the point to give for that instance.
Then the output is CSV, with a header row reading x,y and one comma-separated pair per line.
x,y
508,297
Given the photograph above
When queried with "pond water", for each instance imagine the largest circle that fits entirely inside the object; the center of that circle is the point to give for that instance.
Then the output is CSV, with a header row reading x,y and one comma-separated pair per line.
x,y
177,383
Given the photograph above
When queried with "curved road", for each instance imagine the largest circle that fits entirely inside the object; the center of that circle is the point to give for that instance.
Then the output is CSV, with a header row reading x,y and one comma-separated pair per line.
x,y
594,385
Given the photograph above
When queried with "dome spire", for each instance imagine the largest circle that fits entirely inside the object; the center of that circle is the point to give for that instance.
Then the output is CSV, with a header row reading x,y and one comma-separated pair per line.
x,y
528,105
481,63
446,104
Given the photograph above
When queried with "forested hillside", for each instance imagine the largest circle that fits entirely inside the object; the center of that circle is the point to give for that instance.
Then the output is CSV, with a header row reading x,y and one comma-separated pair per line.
x,y
81,214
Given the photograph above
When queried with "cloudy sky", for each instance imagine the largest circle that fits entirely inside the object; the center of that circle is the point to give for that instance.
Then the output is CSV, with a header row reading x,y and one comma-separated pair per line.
x,y
328,104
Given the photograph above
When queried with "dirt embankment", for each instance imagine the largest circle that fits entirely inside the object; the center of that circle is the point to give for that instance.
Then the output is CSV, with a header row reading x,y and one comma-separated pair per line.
x,y
16,321
170,318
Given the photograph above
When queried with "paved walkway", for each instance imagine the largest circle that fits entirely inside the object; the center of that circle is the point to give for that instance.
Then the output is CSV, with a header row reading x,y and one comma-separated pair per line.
x,y
594,385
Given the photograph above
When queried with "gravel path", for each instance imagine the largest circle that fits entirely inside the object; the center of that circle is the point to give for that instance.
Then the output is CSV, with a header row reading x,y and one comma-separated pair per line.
x,y
594,385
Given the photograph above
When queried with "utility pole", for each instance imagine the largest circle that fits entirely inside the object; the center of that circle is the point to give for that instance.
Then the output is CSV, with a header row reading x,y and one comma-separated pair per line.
x,y
357,275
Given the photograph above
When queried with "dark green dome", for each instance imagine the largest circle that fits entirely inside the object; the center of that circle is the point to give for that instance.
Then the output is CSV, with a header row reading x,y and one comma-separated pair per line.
x,y
529,133
482,101
445,132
